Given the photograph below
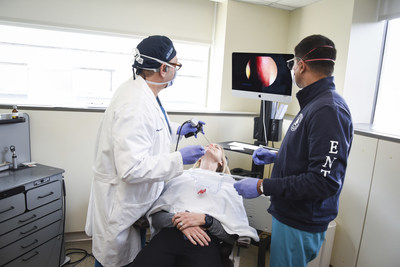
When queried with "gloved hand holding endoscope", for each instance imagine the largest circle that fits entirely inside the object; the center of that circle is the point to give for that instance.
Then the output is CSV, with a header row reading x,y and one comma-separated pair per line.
x,y
190,154
190,128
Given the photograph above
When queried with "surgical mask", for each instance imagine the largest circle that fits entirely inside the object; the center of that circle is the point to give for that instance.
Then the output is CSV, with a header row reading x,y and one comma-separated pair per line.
x,y
294,78
292,74
169,83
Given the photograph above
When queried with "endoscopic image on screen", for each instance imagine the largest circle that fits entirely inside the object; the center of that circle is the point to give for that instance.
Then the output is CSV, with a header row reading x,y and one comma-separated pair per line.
x,y
264,73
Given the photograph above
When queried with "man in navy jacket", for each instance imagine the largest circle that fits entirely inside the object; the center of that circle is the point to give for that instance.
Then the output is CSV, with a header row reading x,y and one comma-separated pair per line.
x,y
309,169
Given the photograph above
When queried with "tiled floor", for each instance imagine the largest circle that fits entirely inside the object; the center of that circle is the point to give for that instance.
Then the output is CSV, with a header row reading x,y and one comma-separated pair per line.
x,y
248,256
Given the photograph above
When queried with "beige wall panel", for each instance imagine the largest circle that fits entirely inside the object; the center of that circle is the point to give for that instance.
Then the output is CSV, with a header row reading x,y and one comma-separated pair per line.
x,y
380,244
353,201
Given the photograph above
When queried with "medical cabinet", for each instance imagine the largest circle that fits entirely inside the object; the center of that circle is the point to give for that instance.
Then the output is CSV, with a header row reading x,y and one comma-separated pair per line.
x,y
32,203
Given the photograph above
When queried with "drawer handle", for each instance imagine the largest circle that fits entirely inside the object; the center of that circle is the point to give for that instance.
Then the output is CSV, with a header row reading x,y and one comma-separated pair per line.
x,y
27,259
30,218
10,208
32,229
34,241
49,194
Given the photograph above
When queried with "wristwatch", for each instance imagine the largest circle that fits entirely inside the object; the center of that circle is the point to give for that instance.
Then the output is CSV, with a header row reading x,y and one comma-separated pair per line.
x,y
260,187
209,221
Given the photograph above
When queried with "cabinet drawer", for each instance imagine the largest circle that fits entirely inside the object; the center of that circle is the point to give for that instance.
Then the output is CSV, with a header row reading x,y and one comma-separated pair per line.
x,y
44,194
30,242
29,216
46,255
12,206
29,228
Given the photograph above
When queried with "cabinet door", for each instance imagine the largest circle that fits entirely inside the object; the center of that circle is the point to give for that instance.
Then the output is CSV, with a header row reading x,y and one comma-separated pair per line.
x,y
46,255
44,194
29,228
30,242
380,244
12,206
29,216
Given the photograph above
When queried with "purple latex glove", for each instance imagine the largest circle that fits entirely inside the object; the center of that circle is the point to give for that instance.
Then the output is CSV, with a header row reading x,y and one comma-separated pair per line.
x,y
188,128
263,156
190,154
247,188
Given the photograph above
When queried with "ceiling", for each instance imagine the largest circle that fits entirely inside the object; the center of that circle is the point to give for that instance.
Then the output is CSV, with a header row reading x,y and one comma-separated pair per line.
x,y
282,4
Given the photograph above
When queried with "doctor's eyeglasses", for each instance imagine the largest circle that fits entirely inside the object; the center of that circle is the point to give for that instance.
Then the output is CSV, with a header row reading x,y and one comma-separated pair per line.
x,y
177,65
290,63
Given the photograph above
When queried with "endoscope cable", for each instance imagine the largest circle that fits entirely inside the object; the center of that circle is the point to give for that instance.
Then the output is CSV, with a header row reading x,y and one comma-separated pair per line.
x,y
208,142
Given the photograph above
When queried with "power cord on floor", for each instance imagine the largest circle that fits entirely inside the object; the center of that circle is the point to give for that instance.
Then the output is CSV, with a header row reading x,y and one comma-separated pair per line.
x,y
70,251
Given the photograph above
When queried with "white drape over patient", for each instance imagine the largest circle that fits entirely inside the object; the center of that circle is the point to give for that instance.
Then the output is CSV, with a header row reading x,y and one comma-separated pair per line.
x,y
204,191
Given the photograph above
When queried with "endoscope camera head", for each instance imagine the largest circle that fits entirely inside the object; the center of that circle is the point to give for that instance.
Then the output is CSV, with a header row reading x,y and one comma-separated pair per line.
x,y
195,123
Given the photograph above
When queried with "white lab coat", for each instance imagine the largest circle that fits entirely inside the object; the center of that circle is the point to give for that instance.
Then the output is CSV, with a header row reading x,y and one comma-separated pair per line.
x,y
132,161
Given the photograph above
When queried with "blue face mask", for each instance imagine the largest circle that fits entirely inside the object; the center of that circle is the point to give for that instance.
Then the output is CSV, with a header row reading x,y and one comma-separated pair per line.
x,y
171,82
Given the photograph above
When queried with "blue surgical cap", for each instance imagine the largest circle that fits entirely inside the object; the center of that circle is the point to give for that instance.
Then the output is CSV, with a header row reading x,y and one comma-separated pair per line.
x,y
156,46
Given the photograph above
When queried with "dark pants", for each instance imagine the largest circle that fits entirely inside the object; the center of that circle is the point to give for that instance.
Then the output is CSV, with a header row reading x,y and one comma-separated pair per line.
x,y
169,248
98,264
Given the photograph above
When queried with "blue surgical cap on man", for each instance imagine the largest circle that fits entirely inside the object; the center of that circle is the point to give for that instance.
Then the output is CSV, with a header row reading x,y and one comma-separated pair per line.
x,y
156,46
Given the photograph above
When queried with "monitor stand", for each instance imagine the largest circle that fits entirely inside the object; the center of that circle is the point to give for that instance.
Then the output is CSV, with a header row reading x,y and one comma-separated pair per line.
x,y
261,123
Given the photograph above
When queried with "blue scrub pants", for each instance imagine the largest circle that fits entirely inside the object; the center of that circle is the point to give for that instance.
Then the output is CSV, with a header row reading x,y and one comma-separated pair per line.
x,y
291,247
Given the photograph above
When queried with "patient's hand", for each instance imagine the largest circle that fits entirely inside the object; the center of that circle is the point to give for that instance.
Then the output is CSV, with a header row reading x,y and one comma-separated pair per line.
x,y
183,220
196,235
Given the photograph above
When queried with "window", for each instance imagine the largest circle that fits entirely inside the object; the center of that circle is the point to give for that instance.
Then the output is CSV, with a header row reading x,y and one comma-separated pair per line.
x,y
61,68
386,110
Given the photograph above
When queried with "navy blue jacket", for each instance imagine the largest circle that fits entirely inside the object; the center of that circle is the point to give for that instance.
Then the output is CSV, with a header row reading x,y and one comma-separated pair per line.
x,y
308,173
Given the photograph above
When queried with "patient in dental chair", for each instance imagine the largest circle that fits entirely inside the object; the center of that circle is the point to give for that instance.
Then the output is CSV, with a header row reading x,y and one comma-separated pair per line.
x,y
197,218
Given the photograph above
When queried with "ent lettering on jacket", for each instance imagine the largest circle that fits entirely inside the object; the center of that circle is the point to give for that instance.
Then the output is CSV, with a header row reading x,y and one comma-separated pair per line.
x,y
330,158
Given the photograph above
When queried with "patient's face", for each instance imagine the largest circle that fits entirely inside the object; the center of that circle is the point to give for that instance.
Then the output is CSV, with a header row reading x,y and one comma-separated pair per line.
x,y
214,153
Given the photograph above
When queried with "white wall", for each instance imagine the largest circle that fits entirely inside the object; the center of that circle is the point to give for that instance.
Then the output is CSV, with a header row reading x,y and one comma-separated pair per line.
x,y
257,28
330,18
66,139
190,20
367,232
250,28
239,27
365,48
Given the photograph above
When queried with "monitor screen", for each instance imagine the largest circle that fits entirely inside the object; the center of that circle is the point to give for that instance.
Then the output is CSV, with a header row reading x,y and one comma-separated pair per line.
x,y
263,76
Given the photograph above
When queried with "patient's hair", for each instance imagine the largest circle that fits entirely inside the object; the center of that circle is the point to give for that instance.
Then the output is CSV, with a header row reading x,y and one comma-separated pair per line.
x,y
224,168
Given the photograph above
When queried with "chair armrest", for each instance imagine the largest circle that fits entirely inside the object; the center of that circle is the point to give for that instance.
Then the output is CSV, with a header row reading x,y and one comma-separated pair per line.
x,y
243,241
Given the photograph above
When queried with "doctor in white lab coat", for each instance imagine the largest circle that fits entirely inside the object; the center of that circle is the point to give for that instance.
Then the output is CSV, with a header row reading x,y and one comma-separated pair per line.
x,y
132,157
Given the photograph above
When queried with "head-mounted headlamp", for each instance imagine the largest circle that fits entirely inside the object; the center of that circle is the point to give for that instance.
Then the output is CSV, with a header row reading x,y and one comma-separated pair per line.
x,y
137,57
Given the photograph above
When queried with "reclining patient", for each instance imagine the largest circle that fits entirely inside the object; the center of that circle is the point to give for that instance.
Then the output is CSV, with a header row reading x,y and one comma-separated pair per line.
x,y
196,213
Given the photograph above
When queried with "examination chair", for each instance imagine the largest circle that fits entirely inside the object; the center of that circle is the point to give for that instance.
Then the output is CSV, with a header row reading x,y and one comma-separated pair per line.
x,y
227,251
230,254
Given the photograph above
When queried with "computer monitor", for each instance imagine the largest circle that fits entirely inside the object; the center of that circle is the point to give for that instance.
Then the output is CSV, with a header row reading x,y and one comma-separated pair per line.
x,y
263,76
